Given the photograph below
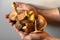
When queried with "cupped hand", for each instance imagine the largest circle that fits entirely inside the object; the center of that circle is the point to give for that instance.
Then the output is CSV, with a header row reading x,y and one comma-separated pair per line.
x,y
33,35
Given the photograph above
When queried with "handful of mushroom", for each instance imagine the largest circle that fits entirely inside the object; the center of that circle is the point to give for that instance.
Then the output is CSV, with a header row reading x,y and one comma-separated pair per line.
x,y
27,20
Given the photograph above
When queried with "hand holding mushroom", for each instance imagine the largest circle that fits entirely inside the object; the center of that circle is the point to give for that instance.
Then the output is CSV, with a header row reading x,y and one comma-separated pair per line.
x,y
28,22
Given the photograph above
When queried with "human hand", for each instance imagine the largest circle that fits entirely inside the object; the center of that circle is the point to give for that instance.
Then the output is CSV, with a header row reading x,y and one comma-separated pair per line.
x,y
31,36
51,15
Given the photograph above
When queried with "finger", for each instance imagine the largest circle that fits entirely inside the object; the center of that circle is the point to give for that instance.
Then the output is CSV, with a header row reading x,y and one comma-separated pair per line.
x,y
7,16
22,34
11,22
22,6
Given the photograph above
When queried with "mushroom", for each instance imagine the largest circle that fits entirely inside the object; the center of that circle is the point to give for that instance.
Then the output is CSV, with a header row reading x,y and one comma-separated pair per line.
x,y
26,19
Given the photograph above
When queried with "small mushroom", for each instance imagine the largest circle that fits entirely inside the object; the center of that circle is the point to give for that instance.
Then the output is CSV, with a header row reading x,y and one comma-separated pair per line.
x,y
41,23
13,15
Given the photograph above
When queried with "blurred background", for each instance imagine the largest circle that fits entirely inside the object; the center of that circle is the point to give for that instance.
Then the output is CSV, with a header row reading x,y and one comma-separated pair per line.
x,y
6,30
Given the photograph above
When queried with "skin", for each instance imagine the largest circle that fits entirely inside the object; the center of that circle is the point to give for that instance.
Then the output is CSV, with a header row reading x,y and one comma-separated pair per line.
x,y
33,35
51,15
47,13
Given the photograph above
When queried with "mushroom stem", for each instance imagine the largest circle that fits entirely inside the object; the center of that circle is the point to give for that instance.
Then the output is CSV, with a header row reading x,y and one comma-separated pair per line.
x,y
14,7
35,26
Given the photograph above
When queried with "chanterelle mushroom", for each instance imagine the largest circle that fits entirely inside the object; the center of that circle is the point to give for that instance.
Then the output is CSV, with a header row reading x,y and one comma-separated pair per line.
x,y
27,20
